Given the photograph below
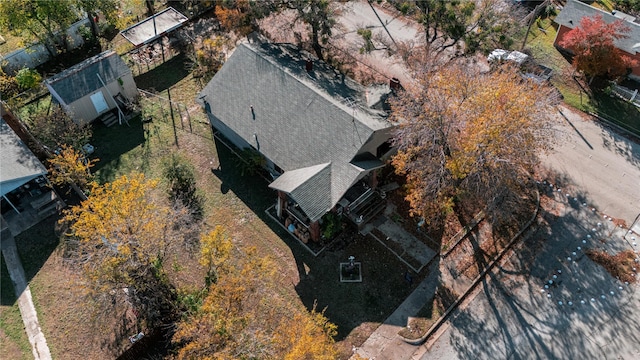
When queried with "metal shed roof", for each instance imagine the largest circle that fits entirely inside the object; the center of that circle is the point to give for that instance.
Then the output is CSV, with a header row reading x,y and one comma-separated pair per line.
x,y
81,80
154,27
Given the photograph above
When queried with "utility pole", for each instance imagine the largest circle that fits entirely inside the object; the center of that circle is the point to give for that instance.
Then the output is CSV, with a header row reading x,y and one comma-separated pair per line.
x,y
534,16
382,23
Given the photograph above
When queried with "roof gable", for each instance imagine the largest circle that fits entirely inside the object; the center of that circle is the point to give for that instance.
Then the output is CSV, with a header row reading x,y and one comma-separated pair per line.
x,y
573,11
298,119
310,187
81,79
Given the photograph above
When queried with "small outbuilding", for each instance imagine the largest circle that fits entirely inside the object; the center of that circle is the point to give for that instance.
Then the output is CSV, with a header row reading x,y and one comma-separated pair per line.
x,y
94,87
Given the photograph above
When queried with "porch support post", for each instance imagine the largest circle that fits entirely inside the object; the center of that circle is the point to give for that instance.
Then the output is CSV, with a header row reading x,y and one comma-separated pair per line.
x,y
281,204
373,182
314,229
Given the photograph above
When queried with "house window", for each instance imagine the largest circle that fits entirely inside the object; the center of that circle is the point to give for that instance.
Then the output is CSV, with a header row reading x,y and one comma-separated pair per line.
x,y
383,149
99,102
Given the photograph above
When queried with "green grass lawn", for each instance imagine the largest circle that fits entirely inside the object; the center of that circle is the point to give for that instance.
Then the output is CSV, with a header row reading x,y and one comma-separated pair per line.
x,y
11,43
15,344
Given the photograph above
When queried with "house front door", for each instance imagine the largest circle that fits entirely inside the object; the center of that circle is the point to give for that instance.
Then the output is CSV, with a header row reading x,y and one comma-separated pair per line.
x,y
99,102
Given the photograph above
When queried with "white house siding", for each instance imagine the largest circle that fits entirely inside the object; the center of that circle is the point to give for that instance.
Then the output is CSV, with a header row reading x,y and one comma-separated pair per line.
x,y
83,110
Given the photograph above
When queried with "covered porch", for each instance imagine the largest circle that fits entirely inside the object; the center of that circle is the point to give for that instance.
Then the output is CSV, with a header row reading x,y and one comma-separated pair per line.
x,y
30,203
26,195
358,206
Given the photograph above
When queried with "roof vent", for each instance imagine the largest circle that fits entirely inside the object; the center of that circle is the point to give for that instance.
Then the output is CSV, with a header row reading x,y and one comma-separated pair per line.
x,y
308,65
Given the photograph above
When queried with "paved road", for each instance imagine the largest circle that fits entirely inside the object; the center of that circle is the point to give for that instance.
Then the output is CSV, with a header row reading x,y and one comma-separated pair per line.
x,y
358,15
512,318
604,164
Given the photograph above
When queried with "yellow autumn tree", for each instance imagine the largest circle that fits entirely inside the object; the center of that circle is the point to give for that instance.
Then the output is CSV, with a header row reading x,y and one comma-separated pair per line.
x,y
468,136
119,238
69,166
215,248
243,316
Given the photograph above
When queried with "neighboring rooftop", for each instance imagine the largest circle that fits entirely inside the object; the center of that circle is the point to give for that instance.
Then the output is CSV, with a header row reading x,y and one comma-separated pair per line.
x,y
81,79
154,27
18,165
311,123
573,11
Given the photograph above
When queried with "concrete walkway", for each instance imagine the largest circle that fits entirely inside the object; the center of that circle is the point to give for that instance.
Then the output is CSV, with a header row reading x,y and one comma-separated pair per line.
x,y
25,303
410,250
384,342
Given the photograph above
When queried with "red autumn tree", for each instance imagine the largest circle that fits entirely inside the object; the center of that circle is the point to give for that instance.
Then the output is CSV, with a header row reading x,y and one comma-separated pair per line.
x,y
593,45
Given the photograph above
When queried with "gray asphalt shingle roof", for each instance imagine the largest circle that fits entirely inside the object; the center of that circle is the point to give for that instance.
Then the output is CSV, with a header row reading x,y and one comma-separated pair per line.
x,y
310,124
573,11
81,80
18,165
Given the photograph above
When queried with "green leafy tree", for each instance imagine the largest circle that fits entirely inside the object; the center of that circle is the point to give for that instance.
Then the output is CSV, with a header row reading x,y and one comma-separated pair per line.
x,y
42,20
28,78
108,9
182,184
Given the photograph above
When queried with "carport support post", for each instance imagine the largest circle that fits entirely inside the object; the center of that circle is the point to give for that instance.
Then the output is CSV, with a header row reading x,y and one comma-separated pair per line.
x,y
173,120
374,179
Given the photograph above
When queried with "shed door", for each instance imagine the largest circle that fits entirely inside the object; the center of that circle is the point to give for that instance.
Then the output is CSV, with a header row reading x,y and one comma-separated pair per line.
x,y
99,102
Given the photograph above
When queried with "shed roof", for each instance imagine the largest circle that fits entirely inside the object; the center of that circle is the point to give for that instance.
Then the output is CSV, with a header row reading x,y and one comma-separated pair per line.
x,y
309,123
154,26
18,165
81,80
573,11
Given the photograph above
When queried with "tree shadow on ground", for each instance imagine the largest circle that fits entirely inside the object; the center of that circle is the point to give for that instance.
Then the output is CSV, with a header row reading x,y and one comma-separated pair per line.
x,y
348,305
516,316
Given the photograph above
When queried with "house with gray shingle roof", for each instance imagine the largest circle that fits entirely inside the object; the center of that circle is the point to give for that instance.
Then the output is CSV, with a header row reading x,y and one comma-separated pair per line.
x,y
320,132
91,88
574,10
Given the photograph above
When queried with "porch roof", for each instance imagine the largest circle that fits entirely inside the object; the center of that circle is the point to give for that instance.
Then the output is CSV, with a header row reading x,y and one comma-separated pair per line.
x,y
310,187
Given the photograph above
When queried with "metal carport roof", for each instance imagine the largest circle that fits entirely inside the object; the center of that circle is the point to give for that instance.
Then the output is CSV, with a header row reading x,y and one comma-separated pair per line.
x,y
154,27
